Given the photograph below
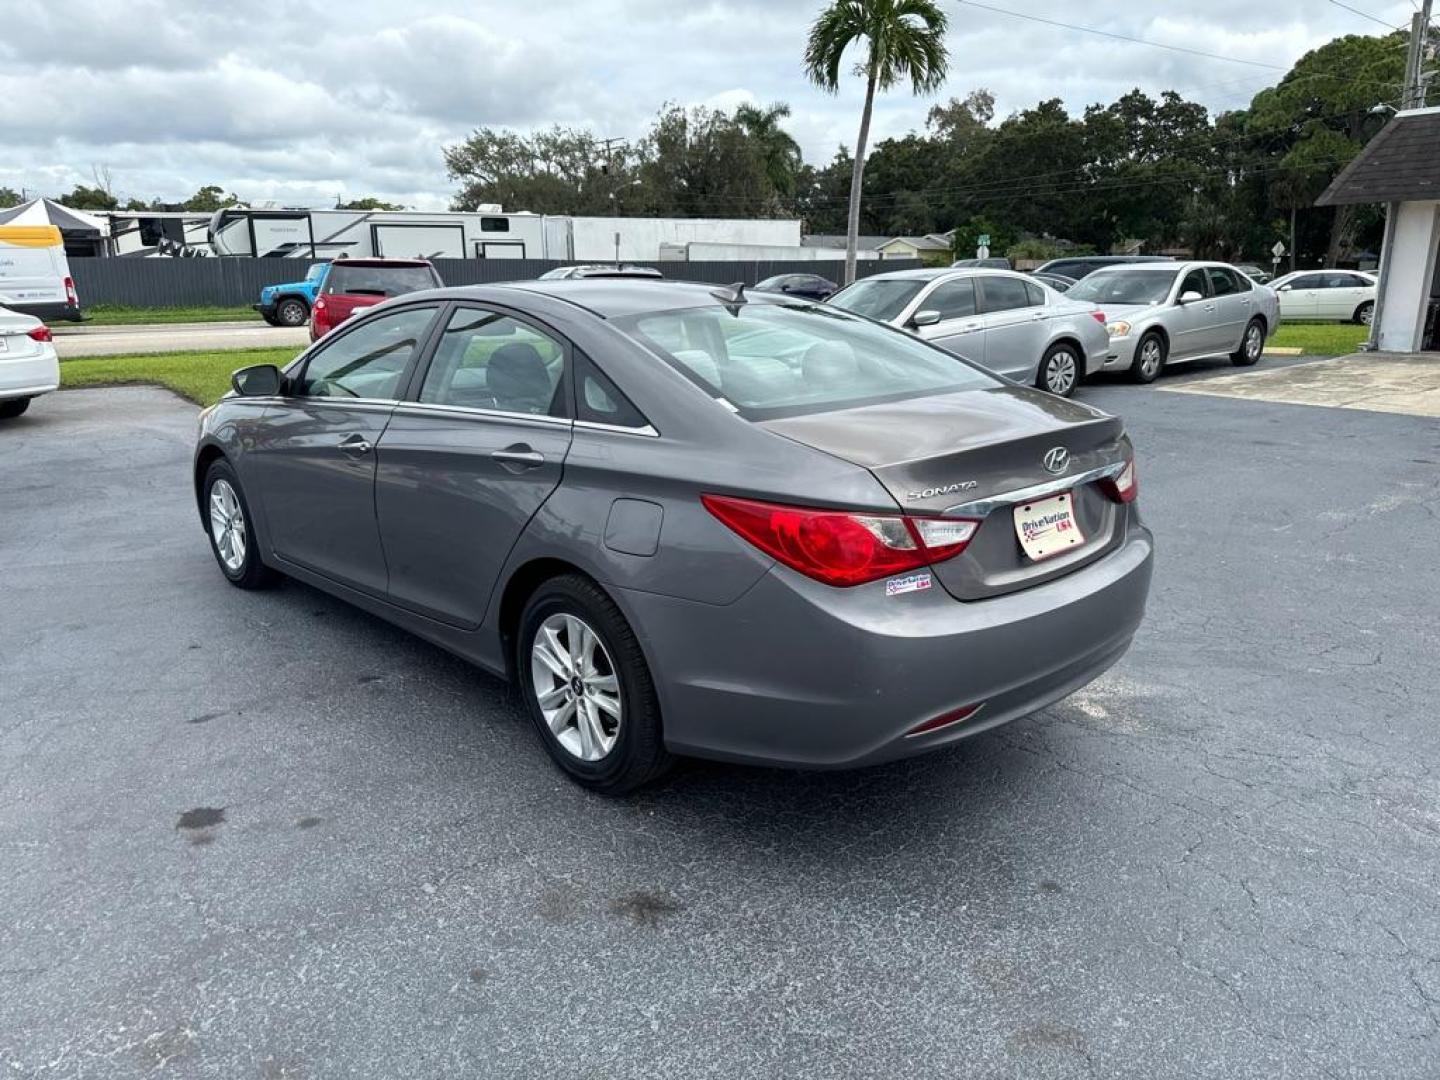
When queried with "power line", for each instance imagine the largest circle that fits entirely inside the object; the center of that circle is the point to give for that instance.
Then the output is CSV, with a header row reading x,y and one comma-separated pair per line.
x,y
1366,15
1118,37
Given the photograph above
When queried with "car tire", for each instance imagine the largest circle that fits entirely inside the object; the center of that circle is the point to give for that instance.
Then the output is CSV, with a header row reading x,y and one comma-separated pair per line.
x,y
1060,369
13,407
292,311
1149,358
271,320
572,706
1365,313
223,497
1252,345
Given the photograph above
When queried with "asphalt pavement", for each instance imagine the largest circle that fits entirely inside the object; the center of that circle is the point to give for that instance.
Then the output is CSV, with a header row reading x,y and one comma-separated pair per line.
x,y
174,337
266,835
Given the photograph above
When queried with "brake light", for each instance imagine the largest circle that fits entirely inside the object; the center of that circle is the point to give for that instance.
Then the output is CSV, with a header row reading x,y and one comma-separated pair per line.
x,y
840,548
1124,487
72,298
1099,316
40,333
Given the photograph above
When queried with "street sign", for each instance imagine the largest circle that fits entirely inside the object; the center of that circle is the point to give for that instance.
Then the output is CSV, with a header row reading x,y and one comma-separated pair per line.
x,y
983,240
1278,249
982,252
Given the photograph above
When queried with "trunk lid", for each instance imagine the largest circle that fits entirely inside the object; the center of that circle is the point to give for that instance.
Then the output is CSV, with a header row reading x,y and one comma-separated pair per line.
x,y
935,454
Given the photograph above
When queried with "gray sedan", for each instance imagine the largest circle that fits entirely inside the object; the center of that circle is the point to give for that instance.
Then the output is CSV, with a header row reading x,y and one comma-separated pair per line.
x,y
1158,313
1003,321
687,520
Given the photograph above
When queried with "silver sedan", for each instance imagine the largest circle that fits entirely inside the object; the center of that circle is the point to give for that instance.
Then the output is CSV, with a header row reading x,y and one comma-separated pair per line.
x,y
1006,322
1158,313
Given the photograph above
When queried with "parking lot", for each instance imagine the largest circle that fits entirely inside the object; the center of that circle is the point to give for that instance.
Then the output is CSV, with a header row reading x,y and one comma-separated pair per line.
x,y
266,835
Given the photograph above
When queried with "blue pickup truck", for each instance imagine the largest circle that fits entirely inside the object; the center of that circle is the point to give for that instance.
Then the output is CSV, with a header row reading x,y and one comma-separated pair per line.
x,y
290,304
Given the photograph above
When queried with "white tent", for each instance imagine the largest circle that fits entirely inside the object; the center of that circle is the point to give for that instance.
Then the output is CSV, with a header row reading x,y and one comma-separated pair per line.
x,y
73,224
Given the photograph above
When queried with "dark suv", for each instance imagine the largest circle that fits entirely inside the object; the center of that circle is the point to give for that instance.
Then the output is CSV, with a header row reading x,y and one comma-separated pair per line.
x,y
1080,265
353,284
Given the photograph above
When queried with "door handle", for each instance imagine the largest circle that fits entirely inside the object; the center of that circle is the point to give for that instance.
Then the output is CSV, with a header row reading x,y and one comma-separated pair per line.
x,y
970,327
1036,316
519,458
355,444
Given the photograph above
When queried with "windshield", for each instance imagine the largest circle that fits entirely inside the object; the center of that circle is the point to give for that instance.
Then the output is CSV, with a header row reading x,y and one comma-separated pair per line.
x,y
379,280
770,360
1131,285
878,298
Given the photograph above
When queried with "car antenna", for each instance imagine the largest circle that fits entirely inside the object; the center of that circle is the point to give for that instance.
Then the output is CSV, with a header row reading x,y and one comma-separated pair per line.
x,y
731,294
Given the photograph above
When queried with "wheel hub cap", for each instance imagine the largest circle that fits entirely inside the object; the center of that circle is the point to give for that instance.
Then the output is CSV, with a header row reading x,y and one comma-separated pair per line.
x,y
227,525
576,687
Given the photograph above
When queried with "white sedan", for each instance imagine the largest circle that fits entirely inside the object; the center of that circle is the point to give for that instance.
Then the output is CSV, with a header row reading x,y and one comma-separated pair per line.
x,y
1326,295
28,364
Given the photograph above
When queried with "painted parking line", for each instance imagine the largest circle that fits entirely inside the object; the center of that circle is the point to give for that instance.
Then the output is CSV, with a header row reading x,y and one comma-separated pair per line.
x,y
1408,384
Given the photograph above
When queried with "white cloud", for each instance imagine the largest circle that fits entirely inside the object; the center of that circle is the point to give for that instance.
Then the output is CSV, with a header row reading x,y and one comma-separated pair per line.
x,y
303,101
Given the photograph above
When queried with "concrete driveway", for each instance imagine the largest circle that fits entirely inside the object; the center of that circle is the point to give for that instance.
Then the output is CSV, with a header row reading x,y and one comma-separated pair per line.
x,y
174,337
264,835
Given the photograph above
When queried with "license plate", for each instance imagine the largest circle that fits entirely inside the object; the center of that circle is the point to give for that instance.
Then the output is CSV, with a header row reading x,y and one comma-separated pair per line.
x,y
1047,527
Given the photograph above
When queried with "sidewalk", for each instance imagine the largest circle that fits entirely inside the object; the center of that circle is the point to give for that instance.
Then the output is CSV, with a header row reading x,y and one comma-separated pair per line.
x,y
1407,383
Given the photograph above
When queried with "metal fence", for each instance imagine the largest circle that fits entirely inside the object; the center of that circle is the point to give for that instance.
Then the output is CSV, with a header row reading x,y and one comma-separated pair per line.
x,y
236,282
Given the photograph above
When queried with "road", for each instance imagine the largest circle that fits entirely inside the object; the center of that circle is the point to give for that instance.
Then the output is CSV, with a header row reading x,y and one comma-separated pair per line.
x,y
265,835
174,337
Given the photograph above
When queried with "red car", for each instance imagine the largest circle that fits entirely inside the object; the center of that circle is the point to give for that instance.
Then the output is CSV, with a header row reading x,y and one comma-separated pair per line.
x,y
353,284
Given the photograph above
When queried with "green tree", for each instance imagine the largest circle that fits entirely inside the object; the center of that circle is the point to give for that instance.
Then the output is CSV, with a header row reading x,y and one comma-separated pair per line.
x,y
9,197
558,170
780,152
90,198
700,162
902,40
210,198
369,202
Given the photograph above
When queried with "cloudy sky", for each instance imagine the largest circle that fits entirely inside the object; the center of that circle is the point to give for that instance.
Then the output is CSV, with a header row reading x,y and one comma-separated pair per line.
x,y
299,101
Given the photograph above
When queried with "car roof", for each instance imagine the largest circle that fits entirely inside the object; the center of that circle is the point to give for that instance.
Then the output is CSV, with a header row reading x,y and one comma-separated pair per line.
x,y
380,262
607,297
936,273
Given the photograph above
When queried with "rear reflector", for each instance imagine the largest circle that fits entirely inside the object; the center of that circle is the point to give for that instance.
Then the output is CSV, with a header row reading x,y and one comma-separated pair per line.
x,y
40,333
842,548
944,720
1124,487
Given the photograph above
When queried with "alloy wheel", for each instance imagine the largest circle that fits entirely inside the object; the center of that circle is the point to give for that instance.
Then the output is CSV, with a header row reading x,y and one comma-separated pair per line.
x,y
1367,314
1150,358
227,525
1060,373
1254,343
576,687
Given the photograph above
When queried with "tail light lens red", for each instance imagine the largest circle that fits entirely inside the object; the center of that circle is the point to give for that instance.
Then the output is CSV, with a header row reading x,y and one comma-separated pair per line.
x,y
944,720
1124,487
840,548
71,297
1099,316
40,333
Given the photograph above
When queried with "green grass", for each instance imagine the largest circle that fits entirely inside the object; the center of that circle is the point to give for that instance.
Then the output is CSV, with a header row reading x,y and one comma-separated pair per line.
x,y
121,315
199,376
1320,339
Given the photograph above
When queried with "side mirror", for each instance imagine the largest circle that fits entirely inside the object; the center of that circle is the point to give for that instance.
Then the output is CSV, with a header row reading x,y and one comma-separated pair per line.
x,y
1285,288
786,288
1190,297
262,380
928,317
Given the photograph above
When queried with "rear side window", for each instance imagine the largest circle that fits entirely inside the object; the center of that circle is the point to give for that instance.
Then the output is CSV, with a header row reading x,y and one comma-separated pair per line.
x,y
378,280
1307,281
490,361
1036,294
1222,281
1003,294
1344,281
952,299
599,401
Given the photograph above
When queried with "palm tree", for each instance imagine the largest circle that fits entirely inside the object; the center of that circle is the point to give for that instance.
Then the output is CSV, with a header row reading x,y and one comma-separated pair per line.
x,y
904,39
780,153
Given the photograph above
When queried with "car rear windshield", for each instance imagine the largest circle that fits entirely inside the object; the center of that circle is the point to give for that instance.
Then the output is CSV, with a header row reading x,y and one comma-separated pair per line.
x,y
1125,285
773,360
878,298
378,280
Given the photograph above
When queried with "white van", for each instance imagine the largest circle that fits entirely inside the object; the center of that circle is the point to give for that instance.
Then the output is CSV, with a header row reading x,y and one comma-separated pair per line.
x,y
34,276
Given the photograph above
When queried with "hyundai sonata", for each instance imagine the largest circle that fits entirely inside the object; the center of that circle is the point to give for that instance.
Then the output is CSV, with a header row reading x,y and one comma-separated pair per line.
x,y
688,520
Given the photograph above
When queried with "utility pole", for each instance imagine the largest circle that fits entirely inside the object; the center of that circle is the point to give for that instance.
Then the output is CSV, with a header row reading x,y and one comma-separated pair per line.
x,y
1415,73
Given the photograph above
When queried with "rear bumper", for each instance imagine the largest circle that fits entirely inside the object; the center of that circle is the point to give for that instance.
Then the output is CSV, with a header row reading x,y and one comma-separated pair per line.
x,y
29,376
796,673
50,312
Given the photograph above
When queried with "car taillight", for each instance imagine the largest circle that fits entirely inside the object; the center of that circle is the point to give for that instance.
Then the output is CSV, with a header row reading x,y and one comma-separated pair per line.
x,y
841,548
40,333
1099,316
71,296
1124,487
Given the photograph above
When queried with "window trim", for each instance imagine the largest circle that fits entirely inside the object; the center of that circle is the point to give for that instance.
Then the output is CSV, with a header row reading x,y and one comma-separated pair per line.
x,y
295,372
